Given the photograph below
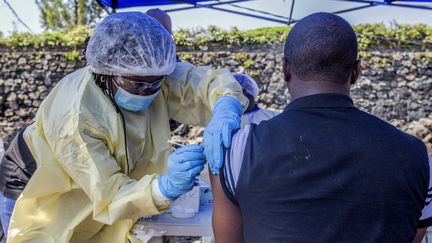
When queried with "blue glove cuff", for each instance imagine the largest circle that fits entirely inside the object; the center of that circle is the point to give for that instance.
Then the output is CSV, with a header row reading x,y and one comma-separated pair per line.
x,y
224,103
162,180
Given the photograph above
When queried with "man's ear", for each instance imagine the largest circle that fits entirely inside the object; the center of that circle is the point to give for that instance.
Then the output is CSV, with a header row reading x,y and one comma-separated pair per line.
x,y
355,72
286,70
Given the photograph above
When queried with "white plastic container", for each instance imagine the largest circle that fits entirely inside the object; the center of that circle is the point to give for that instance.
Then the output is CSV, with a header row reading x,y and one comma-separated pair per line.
x,y
187,205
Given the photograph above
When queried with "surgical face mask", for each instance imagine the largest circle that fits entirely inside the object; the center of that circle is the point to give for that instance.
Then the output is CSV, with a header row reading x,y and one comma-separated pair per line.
x,y
133,102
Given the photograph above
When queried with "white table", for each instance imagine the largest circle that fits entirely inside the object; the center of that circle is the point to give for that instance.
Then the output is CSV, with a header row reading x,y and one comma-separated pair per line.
x,y
199,225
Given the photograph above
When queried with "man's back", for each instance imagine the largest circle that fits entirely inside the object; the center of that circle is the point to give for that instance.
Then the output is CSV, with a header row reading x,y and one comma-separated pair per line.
x,y
324,171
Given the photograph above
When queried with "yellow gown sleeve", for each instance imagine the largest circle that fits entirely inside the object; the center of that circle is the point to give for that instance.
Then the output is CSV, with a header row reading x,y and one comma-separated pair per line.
x,y
191,92
85,150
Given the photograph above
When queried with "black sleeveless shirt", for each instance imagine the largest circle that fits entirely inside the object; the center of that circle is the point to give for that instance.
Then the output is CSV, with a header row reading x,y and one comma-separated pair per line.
x,y
324,171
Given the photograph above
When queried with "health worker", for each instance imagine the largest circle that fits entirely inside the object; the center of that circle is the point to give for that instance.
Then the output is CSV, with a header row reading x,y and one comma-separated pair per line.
x,y
100,137
253,114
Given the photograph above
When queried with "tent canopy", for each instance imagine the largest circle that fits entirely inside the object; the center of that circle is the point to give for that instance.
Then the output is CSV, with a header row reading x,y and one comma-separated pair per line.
x,y
144,3
255,13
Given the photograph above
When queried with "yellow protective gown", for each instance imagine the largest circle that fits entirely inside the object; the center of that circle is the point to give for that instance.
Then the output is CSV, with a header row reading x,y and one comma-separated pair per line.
x,y
84,190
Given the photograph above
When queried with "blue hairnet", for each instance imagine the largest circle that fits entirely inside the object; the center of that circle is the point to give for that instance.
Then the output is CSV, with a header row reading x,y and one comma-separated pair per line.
x,y
131,44
247,83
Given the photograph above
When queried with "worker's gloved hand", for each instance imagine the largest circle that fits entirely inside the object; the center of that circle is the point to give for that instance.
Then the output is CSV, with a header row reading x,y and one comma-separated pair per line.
x,y
184,165
218,133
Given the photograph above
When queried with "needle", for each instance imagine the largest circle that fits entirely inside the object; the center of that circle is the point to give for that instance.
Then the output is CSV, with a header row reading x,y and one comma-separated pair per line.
x,y
175,143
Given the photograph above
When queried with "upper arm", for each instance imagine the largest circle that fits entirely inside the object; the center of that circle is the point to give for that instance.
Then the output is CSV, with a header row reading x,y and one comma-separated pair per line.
x,y
419,235
227,218
426,217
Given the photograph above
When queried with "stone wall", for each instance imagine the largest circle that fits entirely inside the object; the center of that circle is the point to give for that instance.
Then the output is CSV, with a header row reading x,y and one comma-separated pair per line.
x,y
396,86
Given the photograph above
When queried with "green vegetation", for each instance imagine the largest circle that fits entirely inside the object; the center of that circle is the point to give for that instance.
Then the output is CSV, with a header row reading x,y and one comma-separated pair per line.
x,y
241,56
424,57
403,36
72,56
248,64
66,14
74,38
185,56
213,34
370,36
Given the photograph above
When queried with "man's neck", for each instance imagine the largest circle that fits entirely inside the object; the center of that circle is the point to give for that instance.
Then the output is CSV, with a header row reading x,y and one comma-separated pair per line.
x,y
305,88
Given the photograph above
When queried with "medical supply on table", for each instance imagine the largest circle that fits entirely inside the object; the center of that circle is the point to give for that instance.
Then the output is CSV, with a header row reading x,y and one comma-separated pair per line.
x,y
181,220
187,205
199,225
206,194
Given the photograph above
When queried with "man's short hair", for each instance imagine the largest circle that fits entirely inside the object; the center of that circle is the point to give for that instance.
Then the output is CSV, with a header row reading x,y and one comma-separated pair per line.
x,y
321,47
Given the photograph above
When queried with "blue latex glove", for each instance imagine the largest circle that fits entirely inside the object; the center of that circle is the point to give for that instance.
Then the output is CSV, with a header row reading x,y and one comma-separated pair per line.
x,y
184,165
218,133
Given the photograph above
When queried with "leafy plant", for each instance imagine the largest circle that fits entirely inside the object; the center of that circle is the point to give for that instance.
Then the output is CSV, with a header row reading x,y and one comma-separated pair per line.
x,y
71,39
185,56
369,36
72,56
241,56
248,64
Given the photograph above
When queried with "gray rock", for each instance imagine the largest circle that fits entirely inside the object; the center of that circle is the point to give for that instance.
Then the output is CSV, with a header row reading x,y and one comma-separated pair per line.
x,y
401,91
232,63
415,85
410,77
42,89
427,122
47,81
415,115
27,102
21,61
402,71
36,103
417,129
11,97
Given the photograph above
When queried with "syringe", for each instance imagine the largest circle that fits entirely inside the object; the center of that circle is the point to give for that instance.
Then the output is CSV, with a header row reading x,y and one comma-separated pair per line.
x,y
175,143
